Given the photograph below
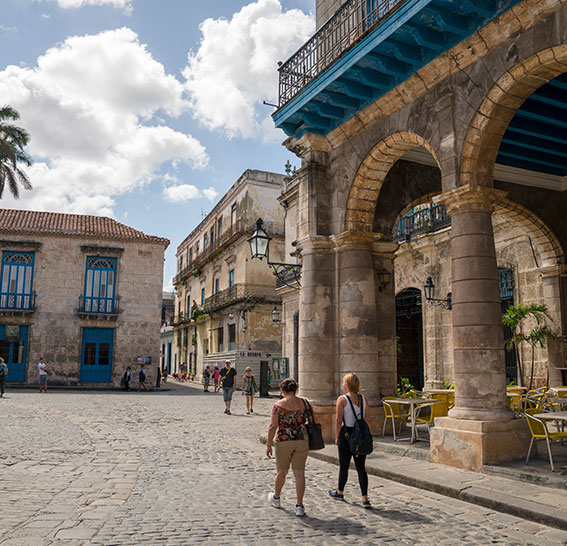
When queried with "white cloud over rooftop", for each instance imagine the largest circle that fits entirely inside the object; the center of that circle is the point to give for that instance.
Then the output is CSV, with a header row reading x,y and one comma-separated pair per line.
x,y
90,105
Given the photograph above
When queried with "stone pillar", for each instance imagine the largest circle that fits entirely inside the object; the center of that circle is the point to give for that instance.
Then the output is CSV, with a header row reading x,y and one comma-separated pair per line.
x,y
554,280
366,313
479,429
317,329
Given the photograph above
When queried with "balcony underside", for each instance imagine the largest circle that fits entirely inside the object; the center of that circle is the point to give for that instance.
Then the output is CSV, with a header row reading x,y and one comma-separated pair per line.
x,y
415,33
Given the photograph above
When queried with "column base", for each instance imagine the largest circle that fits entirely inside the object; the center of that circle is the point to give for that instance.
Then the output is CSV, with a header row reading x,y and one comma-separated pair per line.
x,y
470,444
325,414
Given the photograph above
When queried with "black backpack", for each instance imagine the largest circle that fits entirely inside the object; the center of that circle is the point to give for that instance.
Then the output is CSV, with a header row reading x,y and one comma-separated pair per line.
x,y
360,439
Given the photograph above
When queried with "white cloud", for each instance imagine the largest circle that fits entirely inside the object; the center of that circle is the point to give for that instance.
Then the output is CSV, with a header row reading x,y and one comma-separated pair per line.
x,y
126,5
235,67
90,106
187,192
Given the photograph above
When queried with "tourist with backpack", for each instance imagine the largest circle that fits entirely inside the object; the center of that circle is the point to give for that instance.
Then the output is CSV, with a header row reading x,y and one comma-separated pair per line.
x,y
3,374
353,436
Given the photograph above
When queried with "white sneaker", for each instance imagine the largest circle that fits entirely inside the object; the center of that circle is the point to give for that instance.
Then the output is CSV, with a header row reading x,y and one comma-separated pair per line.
x,y
299,511
273,501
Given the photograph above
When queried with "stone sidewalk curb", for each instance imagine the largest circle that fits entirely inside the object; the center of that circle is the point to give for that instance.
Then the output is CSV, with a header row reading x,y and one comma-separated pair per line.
x,y
536,503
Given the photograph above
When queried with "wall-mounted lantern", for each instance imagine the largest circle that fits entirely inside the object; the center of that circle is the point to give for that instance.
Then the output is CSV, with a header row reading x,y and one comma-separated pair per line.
x,y
429,291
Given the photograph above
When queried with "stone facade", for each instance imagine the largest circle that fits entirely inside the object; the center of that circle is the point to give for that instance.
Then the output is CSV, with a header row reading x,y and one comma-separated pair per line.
x,y
224,300
345,203
57,324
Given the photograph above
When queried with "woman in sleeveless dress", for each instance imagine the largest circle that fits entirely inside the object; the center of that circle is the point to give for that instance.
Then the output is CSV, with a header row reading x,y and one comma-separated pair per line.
x,y
292,443
345,420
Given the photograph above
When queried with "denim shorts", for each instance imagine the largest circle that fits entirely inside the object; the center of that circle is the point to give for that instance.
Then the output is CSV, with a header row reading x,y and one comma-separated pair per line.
x,y
227,393
43,379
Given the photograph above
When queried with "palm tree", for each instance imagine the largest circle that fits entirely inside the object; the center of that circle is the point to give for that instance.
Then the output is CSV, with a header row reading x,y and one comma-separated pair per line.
x,y
13,139
539,335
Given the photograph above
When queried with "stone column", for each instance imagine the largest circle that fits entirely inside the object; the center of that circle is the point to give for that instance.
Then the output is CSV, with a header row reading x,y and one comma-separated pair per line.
x,y
554,280
317,330
366,315
317,320
479,429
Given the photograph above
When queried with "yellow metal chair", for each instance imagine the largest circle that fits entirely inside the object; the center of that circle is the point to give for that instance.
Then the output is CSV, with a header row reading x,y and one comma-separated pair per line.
x,y
539,430
392,411
437,409
450,400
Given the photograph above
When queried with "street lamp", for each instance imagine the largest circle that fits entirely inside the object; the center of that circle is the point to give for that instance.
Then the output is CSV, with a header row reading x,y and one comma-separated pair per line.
x,y
259,242
260,248
383,279
276,315
429,291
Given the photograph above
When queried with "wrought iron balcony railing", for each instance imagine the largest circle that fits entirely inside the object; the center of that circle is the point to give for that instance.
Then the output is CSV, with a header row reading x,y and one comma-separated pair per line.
x,y
351,21
10,301
237,229
98,305
421,221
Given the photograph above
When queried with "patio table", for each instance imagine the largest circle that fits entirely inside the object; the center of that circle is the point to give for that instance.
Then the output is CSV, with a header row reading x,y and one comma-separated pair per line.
x,y
554,416
413,403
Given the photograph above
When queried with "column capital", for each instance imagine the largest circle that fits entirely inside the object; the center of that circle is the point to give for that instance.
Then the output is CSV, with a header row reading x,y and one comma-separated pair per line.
x,y
315,244
470,197
559,270
307,143
355,240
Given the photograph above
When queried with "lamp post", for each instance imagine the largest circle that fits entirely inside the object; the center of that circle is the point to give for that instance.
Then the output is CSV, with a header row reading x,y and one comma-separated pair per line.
x,y
429,291
276,315
260,248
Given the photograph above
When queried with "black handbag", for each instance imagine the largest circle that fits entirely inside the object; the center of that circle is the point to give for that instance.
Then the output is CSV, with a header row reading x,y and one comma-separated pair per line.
x,y
313,428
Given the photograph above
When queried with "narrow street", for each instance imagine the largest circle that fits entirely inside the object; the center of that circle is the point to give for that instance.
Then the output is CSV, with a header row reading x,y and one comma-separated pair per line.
x,y
171,468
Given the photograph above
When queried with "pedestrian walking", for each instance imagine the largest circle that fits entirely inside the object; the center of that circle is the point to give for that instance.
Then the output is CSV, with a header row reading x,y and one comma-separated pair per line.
x,y
288,426
249,389
3,374
206,379
126,379
164,374
216,378
350,406
142,379
228,381
42,369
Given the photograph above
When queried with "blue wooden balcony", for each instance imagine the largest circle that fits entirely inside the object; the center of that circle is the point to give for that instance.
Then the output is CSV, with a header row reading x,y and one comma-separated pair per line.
x,y
366,49
12,301
96,305
370,46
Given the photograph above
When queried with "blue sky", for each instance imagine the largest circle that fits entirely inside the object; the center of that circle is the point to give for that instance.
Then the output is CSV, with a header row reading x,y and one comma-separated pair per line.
x,y
146,110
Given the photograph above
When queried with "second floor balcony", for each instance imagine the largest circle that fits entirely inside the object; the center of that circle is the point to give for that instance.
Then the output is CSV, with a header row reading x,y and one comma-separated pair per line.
x,y
16,303
366,49
418,222
99,307
239,228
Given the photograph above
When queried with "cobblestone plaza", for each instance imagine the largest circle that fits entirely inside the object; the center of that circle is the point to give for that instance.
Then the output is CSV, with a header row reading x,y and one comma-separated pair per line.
x,y
170,468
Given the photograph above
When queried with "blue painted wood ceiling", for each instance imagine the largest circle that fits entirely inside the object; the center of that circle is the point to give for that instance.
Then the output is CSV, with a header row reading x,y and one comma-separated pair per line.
x,y
416,33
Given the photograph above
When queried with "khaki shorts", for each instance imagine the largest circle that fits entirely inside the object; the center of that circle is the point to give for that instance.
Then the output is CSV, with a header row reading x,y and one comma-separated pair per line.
x,y
291,451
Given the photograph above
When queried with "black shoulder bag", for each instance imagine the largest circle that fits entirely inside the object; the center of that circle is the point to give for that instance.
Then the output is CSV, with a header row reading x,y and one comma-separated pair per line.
x,y
360,439
313,428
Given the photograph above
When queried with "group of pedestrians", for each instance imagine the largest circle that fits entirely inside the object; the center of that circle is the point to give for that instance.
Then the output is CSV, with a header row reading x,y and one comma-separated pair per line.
x,y
288,427
127,377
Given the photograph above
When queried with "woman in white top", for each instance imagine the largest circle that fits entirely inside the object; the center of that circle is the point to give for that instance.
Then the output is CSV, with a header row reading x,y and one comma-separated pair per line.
x,y
345,422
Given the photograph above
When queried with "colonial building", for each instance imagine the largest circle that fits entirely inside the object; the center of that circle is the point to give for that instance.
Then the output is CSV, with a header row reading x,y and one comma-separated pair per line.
x,y
166,332
223,300
447,118
84,292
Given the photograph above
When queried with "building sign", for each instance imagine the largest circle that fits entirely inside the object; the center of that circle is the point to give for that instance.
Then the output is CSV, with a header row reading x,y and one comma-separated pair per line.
x,y
144,360
257,354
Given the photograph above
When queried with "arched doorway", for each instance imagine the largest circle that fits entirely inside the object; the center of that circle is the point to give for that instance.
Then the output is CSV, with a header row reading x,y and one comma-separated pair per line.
x,y
409,337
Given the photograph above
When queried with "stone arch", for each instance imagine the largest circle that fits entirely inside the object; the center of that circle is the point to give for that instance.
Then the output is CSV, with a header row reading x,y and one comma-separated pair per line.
x,y
492,118
545,241
371,174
